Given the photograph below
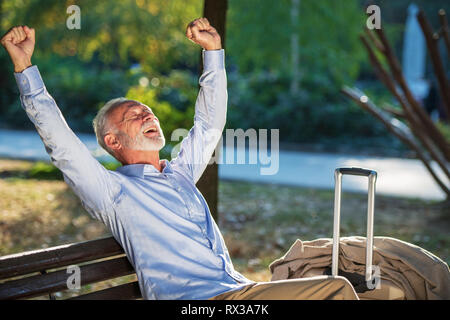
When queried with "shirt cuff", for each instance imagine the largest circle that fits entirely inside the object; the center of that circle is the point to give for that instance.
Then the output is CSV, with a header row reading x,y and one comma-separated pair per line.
x,y
213,59
29,80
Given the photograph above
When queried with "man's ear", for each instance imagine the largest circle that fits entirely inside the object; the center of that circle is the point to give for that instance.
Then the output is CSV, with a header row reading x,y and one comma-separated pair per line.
x,y
112,142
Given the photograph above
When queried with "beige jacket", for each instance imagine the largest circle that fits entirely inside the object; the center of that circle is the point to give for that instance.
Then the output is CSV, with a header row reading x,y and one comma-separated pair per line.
x,y
417,272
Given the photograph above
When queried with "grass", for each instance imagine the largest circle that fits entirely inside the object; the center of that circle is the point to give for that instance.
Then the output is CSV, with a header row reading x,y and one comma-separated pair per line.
x,y
259,222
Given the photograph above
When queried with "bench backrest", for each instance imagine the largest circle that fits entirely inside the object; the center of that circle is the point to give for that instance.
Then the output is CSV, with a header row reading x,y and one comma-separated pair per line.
x,y
40,272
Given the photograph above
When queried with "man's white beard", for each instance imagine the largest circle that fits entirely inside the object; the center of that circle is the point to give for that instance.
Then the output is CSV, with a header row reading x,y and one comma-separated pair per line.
x,y
143,143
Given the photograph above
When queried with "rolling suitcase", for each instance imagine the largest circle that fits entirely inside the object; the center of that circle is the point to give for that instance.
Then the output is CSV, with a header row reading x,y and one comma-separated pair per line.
x,y
401,271
369,286
369,282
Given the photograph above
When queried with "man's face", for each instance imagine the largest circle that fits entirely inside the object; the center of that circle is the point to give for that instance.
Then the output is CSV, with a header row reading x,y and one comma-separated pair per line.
x,y
136,127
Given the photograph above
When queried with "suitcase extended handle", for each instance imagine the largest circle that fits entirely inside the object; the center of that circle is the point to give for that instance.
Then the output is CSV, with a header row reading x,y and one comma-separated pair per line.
x,y
372,175
356,171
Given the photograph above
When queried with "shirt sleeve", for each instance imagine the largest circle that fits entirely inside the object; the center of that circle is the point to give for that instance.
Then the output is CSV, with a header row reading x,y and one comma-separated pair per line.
x,y
90,181
198,146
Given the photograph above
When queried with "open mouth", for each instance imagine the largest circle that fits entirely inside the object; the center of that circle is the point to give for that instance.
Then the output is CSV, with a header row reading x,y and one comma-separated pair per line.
x,y
151,131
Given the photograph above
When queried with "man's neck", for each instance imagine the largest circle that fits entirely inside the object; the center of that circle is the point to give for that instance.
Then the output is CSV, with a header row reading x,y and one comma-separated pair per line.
x,y
142,157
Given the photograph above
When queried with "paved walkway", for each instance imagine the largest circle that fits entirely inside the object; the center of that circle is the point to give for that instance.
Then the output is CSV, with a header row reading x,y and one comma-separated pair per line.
x,y
396,177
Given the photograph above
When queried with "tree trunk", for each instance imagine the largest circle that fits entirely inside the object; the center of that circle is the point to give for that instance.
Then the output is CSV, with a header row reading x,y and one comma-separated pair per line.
x,y
295,54
5,70
215,11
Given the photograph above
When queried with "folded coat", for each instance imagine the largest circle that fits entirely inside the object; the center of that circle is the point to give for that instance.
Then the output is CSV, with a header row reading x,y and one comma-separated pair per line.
x,y
418,273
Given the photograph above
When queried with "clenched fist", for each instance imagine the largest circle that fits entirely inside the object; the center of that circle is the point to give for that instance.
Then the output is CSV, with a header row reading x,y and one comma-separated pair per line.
x,y
19,42
201,32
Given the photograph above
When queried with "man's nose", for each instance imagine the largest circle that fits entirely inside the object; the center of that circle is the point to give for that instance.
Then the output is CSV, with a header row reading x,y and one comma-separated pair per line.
x,y
148,116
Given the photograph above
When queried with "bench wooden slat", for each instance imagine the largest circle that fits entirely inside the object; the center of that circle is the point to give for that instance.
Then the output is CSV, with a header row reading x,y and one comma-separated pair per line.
x,y
127,291
57,281
43,259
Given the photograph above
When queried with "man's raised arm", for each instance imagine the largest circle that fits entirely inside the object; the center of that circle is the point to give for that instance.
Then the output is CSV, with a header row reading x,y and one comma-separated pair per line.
x,y
84,174
211,105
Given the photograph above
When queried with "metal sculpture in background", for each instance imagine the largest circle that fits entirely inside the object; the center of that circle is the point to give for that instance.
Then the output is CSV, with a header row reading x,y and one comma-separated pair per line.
x,y
410,122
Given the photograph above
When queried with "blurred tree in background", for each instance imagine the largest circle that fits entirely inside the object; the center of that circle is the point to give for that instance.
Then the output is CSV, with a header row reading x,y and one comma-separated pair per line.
x,y
259,37
329,55
114,32
119,43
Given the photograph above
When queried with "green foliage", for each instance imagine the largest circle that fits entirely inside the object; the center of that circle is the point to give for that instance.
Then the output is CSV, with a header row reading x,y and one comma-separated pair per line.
x,y
44,171
330,55
12,115
117,32
111,165
171,98
259,37
83,69
257,101
79,89
444,128
167,115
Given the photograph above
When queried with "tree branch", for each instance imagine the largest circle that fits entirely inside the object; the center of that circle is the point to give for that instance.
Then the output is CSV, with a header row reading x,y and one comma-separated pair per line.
x,y
396,71
444,30
436,61
394,126
394,111
415,124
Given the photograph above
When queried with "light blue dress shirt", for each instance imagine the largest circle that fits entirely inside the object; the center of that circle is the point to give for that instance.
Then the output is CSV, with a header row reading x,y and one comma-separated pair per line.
x,y
160,218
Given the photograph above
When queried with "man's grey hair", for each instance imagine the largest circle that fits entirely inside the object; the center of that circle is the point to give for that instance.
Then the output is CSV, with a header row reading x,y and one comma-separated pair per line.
x,y
101,123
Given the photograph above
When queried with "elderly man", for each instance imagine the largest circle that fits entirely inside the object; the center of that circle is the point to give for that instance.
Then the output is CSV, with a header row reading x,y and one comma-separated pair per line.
x,y
151,206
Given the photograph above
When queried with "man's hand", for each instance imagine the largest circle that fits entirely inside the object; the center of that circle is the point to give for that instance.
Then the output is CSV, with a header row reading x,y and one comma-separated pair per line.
x,y
19,42
201,32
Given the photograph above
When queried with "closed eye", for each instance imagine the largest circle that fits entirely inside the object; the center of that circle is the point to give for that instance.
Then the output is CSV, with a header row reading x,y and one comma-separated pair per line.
x,y
132,115
131,118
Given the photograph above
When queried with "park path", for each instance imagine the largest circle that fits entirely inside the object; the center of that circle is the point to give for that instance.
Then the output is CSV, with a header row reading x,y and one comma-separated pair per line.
x,y
396,176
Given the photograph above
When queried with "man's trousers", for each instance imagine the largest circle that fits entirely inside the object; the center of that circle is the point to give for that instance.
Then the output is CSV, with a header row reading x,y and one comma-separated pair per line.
x,y
315,288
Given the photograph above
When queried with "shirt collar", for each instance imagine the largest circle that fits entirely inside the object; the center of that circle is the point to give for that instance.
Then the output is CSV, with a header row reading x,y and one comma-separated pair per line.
x,y
141,169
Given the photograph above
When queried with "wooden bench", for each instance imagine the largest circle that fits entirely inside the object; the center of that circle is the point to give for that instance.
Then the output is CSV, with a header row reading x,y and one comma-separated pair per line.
x,y
43,272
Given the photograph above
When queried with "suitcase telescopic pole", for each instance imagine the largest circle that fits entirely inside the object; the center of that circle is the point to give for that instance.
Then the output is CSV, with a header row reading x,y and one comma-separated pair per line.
x,y
372,175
